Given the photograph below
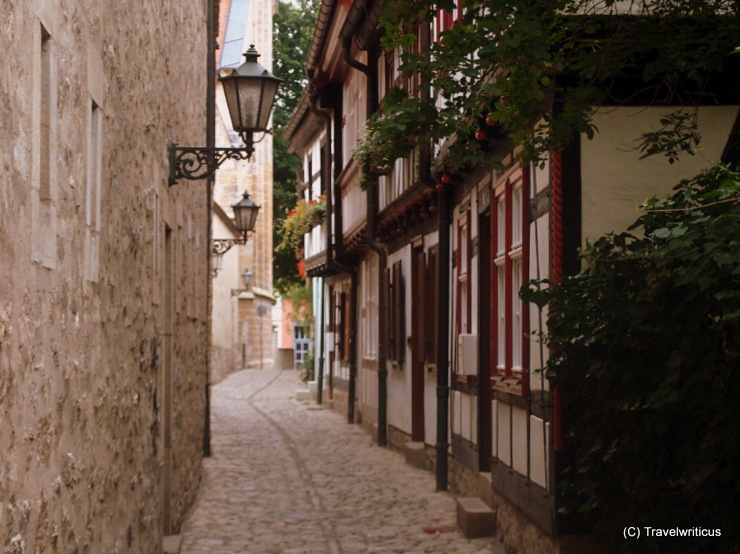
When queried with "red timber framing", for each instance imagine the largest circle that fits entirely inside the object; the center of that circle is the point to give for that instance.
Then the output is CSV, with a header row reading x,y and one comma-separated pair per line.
x,y
511,474
509,270
565,239
557,269
444,19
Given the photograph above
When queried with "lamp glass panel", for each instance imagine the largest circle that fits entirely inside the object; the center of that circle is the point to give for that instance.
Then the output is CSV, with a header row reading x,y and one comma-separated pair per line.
x,y
245,217
249,104
247,278
269,90
231,94
216,262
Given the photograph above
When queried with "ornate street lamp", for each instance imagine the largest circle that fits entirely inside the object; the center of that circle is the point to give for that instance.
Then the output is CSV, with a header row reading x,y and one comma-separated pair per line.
x,y
247,280
245,217
250,93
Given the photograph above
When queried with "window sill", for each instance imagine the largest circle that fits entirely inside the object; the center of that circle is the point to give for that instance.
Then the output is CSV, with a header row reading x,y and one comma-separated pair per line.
x,y
509,385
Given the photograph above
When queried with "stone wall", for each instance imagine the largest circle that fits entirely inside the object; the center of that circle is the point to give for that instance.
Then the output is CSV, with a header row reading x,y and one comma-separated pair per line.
x,y
103,278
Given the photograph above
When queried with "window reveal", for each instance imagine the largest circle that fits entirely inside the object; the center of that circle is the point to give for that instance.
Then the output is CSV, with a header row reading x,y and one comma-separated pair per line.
x,y
509,269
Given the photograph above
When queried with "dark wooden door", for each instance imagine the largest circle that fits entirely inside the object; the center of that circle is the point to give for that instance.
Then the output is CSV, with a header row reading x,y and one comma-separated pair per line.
x,y
417,343
485,314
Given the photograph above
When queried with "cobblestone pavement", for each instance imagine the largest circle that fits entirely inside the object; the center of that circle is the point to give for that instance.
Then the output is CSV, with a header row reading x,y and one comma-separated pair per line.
x,y
290,477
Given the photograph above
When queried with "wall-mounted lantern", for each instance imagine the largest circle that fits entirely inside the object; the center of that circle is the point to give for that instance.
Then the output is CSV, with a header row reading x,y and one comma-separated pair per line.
x,y
247,280
250,93
245,217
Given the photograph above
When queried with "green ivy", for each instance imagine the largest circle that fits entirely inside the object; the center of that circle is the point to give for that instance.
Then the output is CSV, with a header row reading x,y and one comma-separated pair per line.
x,y
539,67
645,346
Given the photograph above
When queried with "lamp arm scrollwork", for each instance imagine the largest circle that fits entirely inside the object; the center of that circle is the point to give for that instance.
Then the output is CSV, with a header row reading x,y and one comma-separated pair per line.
x,y
199,163
219,247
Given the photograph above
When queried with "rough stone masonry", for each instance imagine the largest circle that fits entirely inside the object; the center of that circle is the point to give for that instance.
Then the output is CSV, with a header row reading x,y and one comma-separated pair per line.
x,y
103,284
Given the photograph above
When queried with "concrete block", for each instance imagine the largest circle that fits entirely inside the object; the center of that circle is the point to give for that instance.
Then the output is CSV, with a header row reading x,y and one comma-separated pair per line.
x,y
304,394
171,544
474,518
485,488
415,454
313,386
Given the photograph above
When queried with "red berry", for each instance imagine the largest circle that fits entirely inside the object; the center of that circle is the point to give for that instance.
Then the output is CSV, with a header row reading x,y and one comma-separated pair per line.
x,y
481,135
491,122
446,178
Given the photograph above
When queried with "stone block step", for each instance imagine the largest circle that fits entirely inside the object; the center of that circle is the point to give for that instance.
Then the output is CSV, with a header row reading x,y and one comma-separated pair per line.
x,y
304,394
485,488
171,544
415,454
474,518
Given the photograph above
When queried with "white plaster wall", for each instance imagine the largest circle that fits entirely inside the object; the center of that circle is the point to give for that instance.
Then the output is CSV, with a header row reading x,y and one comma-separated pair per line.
x,y
430,377
502,431
539,448
225,333
519,440
615,180
539,268
399,380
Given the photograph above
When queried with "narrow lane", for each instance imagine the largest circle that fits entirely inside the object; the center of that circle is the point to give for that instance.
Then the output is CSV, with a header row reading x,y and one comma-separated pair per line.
x,y
290,477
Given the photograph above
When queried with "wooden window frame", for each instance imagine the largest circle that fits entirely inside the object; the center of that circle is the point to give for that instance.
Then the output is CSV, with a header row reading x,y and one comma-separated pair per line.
x,y
464,272
509,254
445,20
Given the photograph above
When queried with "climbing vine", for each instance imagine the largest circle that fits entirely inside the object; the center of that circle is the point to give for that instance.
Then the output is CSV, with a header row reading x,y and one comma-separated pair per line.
x,y
537,68
645,346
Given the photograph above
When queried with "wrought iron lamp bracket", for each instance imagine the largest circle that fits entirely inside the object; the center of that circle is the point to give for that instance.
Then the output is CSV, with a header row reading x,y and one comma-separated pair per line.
x,y
199,163
221,246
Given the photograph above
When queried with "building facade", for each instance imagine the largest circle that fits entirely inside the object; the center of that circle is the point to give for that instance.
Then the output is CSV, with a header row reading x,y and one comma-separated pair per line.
x,y
250,343
426,340
103,301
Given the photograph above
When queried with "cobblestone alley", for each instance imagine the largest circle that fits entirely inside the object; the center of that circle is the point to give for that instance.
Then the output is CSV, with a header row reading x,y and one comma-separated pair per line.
x,y
290,477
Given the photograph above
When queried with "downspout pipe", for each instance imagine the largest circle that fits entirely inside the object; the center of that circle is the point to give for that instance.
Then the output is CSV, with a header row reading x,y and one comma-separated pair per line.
x,y
336,253
444,204
371,75
320,339
210,143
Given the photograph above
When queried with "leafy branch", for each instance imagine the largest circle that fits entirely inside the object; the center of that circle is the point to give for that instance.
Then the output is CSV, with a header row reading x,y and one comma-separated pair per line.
x,y
552,62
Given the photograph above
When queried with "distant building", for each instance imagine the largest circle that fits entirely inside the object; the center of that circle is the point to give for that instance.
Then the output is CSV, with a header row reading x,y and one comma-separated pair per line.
x,y
248,341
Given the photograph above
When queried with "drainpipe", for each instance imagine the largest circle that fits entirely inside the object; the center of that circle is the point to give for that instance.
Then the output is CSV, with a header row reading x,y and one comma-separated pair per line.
x,y
371,75
320,340
210,143
444,203
338,249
